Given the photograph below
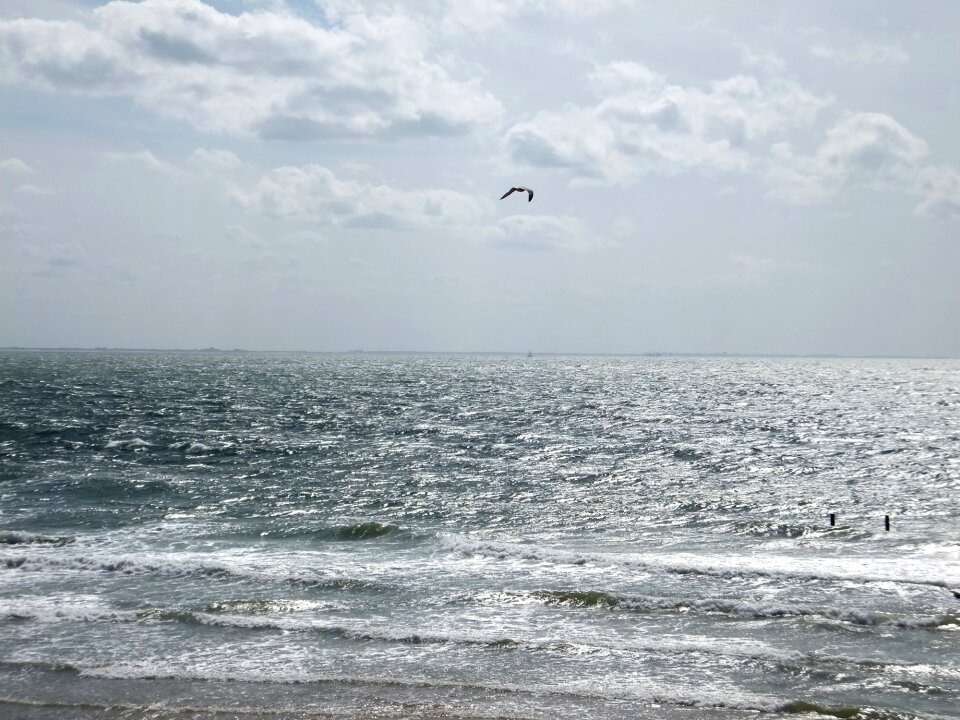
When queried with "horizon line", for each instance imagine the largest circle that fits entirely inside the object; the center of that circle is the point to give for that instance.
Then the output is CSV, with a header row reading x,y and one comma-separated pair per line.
x,y
524,353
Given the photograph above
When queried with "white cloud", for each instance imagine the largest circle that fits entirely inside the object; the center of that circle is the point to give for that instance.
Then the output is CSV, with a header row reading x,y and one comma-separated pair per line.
x,y
645,124
872,142
313,193
939,189
767,62
862,150
482,15
28,189
265,73
745,271
539,232
862,55
214,162
15,166
144,158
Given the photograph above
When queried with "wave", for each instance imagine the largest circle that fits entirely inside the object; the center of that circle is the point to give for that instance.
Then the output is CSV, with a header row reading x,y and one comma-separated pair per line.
x,y
13,537
845,712
424,688
741,610
284,617
358,531
82,608
258,606
135,566
188,447
439,708
435,692
364,531
383,688
720,567
128,444
791,531
241,615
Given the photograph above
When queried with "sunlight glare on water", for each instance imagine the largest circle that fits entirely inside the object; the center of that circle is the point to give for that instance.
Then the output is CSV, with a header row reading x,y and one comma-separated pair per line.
x,y
478,535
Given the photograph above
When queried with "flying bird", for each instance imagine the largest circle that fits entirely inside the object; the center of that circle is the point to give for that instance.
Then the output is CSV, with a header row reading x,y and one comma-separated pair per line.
x,y
518,189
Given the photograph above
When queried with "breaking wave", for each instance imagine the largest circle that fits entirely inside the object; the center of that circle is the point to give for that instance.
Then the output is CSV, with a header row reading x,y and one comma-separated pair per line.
x,y
741,610
718,567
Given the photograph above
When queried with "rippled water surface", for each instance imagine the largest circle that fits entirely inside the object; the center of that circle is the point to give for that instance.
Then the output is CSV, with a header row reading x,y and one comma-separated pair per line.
x,y
245,535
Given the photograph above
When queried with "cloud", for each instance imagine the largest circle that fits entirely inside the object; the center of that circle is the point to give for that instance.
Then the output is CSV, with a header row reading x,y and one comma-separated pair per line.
x,y
939,189
15,166
459,17
539,232
214,162
871,143
863,150
239,235
861,55
56,258
37,190
266,73
646,124
744,271
144,158
314,194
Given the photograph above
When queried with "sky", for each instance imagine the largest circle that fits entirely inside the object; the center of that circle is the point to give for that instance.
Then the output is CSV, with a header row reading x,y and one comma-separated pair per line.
x,y
769,177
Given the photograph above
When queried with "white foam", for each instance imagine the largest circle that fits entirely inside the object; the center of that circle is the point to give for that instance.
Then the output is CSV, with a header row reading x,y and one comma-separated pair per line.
x,y
938,573
62,608
127,444
195,447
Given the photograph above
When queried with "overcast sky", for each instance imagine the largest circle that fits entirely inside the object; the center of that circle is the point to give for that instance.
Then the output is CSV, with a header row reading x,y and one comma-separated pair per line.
x,y
757,177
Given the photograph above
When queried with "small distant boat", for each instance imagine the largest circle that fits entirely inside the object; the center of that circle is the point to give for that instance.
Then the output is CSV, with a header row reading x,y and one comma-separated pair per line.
x,y
529,353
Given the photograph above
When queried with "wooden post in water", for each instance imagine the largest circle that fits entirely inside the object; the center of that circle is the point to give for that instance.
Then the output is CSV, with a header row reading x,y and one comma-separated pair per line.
x,y
886,522
833,519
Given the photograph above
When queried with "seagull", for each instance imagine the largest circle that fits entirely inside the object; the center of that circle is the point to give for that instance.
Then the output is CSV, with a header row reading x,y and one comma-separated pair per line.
x,y
518,189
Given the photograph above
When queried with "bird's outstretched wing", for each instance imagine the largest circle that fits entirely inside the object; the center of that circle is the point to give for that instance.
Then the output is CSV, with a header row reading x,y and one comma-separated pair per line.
x,y
519,189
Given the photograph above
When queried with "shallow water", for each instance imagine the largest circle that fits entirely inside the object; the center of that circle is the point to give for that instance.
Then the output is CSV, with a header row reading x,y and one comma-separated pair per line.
x,y
235,535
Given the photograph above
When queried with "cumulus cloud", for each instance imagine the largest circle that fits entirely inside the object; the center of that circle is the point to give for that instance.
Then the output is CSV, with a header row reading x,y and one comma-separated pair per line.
x,y
863,149
313,193
267,72
939,190
15,166
16,169
646,124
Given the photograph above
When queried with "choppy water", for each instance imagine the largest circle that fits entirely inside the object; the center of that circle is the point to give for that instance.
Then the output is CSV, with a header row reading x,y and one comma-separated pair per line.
x,y
214,535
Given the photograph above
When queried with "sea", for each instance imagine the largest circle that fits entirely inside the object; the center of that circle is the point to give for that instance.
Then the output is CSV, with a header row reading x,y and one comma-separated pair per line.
x,y
214,535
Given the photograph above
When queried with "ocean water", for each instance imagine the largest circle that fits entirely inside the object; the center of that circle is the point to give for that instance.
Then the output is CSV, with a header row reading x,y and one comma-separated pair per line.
x,y
211,535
